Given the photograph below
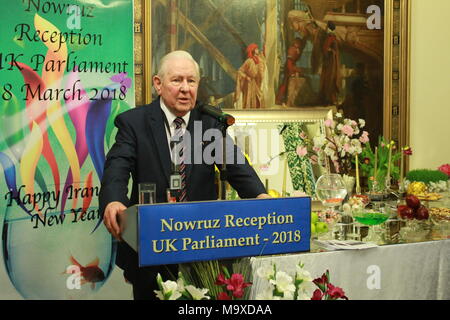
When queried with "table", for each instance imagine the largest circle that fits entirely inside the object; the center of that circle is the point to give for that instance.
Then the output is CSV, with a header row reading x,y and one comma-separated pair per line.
x,y
413,271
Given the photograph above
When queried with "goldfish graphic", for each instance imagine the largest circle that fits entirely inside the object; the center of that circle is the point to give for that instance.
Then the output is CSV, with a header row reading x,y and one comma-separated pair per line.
x,y
90,273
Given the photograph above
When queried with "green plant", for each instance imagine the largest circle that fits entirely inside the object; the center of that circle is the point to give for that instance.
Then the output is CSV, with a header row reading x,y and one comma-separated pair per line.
x,y
203,274
367,161
426,175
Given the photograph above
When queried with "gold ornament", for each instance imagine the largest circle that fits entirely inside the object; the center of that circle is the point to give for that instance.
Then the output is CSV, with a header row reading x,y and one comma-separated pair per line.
x,y
417,188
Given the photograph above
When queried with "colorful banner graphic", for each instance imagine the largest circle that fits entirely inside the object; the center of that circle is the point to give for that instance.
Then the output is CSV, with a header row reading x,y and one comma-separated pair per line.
x,y
65,74
215,230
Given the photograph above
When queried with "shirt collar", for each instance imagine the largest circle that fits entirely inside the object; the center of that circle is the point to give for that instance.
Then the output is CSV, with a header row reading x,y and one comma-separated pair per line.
x,y
171,117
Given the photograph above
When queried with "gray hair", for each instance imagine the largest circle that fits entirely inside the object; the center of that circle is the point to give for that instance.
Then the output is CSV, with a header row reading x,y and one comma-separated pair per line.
x,y
178,54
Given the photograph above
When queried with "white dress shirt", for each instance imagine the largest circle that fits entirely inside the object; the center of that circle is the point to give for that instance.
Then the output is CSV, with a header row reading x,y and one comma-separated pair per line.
x,y
170,119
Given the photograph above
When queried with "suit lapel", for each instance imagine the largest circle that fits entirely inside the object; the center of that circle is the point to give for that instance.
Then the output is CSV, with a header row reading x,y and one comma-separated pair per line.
x,y
156,124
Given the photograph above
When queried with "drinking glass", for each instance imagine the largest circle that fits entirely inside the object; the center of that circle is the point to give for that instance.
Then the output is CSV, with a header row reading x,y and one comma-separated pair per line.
x,y
147,193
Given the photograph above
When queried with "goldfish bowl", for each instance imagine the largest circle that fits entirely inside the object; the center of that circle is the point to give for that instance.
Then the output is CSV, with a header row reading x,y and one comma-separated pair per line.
x,y
56,256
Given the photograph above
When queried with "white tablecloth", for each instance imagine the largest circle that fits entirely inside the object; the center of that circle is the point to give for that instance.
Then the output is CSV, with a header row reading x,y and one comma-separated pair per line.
x,y
406,271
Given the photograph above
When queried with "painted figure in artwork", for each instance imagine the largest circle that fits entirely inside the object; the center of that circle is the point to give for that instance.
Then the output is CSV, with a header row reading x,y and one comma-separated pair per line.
x,y
330,77
290,69
249,93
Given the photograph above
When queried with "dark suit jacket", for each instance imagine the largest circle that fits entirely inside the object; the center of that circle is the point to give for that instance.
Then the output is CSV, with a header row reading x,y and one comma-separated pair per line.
x,y
141,149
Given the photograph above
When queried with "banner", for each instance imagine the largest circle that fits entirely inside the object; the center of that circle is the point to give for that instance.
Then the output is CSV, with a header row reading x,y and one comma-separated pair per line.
x,y
66,71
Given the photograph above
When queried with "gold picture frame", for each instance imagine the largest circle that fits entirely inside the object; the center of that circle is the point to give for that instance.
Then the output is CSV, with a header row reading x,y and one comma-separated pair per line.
x,y
269,140
395,66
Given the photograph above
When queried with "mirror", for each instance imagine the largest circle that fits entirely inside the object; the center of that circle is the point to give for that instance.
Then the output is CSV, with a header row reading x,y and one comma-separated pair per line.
x,y
270,139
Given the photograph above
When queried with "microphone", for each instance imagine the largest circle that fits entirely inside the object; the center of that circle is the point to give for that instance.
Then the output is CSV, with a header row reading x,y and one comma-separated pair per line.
x,y
216,113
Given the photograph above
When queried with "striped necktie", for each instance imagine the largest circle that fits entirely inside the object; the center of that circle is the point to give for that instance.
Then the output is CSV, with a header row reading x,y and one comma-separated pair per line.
x,y
178,137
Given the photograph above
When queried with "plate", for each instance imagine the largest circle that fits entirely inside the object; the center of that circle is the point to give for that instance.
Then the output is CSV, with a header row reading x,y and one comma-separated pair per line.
x,y
429,196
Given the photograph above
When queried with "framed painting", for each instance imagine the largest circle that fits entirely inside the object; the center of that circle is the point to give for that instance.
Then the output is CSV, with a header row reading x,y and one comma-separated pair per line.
x,y
287,54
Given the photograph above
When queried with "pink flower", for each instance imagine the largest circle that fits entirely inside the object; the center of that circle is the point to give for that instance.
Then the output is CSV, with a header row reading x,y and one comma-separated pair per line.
x,y
347,130
317,295
303,135
302,151
364,137
223,296
335,292
329,123
445,168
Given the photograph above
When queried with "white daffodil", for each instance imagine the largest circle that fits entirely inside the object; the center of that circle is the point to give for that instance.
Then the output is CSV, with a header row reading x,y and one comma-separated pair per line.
x,y
338,115
283,282
362,123
197,294
170,290
266,272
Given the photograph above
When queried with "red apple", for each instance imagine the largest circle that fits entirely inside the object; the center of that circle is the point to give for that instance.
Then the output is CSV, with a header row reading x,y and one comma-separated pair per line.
x,y
422,213
405,212
412,201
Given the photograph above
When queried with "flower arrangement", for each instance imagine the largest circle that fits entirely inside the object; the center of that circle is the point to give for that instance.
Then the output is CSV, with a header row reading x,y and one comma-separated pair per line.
x,y
206,280
300,287
379,164
342,141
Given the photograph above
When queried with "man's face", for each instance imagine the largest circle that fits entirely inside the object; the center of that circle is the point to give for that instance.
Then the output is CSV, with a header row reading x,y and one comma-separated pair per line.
x,y
178,87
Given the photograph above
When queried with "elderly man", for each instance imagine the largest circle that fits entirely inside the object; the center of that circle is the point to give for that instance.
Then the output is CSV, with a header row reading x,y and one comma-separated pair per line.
x,y
143,149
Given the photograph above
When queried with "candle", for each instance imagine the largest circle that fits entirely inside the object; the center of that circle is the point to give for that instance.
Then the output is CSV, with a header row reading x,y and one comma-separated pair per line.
x,y
358,188
401,165
388,175
376,164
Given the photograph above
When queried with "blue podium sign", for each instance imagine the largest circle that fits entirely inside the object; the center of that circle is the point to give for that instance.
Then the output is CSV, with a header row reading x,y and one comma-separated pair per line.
x,y
213,230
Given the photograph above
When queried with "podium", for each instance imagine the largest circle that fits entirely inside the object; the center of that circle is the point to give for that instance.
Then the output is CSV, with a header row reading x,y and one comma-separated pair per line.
x,y
169,233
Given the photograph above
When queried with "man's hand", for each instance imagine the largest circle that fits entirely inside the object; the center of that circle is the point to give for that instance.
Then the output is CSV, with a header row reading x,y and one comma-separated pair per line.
x,y
110,218
263,196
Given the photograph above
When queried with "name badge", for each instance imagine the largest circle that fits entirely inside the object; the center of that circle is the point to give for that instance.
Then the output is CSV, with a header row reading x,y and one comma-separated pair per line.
x,y
175,181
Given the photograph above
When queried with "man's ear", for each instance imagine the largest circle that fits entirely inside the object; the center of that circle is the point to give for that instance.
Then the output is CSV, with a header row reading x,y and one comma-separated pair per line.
x,y
157,84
